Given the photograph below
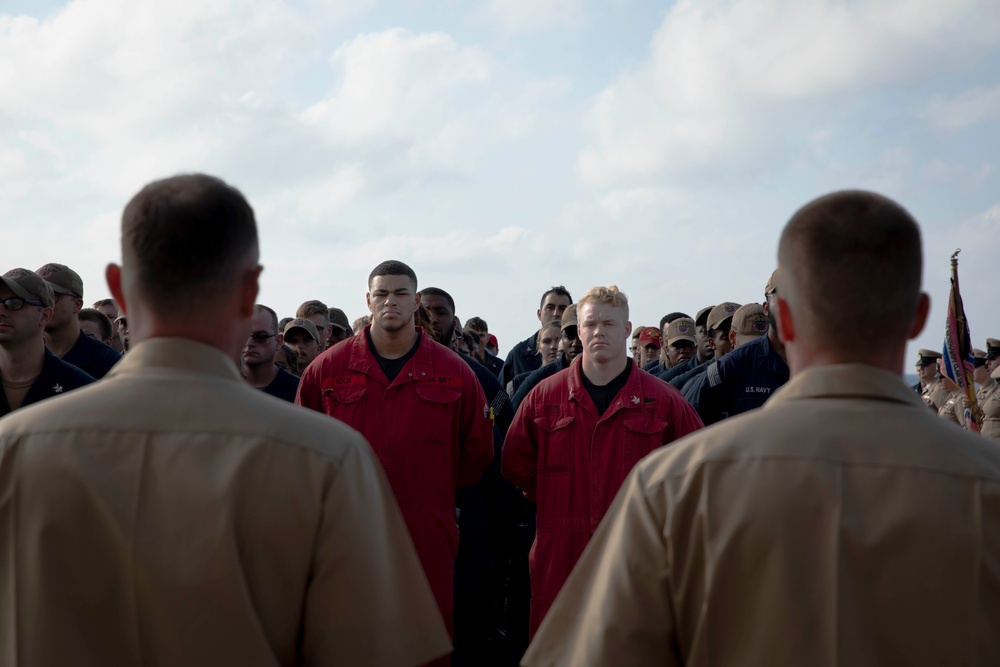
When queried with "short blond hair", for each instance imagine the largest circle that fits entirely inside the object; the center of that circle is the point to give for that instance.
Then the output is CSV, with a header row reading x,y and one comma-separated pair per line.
x,y
610,295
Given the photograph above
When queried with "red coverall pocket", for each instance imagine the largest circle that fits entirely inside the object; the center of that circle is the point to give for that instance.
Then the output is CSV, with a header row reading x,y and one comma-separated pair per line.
x,y
555,450
346,404
643,434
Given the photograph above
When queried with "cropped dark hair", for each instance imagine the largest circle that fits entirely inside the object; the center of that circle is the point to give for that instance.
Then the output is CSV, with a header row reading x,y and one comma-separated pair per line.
x,y
99,318
437,291
477,324
392,267
184,237
261,308
555,289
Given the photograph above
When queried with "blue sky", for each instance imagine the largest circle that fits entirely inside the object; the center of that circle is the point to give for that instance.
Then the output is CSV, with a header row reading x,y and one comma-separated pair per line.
x,y
502,147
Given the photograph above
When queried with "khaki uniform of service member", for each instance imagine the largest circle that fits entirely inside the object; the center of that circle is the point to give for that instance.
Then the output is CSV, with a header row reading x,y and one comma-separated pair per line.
x,y
173,515
989,394
989,403
788,536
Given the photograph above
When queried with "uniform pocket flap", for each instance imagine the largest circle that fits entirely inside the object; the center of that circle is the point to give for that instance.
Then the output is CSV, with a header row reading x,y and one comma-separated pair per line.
x,y
553,424
646,424
438,393
348,394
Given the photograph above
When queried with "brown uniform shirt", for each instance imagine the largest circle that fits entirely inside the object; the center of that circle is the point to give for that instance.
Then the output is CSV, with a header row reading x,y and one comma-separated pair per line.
x,y
170,514
840,524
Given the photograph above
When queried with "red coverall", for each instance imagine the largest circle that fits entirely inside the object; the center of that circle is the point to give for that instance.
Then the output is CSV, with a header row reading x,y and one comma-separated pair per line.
x,y
430,429
572,462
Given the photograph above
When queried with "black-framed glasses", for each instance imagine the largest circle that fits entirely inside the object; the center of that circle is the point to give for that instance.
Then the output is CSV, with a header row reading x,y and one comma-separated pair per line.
x,y
260,337
17,303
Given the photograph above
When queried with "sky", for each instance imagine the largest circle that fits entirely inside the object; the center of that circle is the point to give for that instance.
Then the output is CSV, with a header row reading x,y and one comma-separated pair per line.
x,y
505,146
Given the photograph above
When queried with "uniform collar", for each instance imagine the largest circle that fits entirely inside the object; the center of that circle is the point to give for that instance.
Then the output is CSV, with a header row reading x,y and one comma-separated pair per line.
x,y
846,381
631,395
363,359
178,354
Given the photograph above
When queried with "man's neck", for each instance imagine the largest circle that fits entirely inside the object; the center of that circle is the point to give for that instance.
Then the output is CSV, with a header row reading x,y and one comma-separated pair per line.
x,y
62,340
261,375
23,362
393,344
703,358
601,373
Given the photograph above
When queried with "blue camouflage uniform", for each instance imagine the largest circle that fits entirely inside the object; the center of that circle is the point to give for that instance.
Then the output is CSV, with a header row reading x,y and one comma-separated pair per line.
x,y
522,358
740,381
484,524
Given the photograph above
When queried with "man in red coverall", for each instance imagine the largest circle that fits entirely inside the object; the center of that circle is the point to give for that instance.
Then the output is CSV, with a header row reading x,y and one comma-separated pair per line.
x,y
577,435
420,407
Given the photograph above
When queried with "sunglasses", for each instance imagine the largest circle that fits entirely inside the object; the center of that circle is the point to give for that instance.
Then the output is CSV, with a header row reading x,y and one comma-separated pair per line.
x,y
17,303
260,337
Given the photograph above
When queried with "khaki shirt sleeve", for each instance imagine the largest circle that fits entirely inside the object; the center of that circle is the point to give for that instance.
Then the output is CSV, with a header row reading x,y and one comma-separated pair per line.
x,y
368,601
615,608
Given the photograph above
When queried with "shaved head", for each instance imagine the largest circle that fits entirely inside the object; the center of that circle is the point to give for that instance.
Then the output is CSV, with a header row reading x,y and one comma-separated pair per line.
x,y
850,270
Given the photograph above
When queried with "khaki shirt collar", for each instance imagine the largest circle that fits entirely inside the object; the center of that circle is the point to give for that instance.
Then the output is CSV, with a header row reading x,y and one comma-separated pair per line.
x,y
846,381
177,354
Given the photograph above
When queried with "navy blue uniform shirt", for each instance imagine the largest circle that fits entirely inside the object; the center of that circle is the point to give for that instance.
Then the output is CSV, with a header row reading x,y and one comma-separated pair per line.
x,y
92,356
740,381
57,377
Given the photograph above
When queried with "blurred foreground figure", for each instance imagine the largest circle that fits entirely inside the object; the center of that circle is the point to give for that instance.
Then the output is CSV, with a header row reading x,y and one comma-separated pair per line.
x,y
840,524
173,515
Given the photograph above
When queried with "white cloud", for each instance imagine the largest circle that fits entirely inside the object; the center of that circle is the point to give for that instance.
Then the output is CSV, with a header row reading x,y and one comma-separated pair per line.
x,y
965,110
725,77
393,82
14,183
333,193
532,15
139,63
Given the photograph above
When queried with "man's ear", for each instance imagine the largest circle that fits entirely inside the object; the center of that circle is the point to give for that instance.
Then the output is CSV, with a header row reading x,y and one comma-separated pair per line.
x,y
249,288
628,330
47,313
920,317
786,323
113,274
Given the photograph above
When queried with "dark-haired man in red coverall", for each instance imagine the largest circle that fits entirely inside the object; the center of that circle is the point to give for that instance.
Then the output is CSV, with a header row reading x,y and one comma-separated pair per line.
x,y
578,434
421,409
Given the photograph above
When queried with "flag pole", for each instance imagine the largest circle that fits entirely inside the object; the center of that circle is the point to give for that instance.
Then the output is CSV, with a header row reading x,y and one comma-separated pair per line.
x,y
958,349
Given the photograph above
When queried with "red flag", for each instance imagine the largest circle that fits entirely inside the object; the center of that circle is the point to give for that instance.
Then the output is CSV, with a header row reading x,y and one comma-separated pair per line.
x,y
957,361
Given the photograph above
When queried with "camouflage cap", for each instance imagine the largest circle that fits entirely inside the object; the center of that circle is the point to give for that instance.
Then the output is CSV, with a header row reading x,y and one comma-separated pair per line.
x,y
721,313
701,319
680,329
338,318
29,285
992,348
568,317
62,279
749,323
927,357
305,325
772,284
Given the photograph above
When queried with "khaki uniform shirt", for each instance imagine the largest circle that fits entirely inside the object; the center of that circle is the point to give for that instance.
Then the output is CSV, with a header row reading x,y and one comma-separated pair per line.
x,y
935,395
989,403
170,514
954,408
841,524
